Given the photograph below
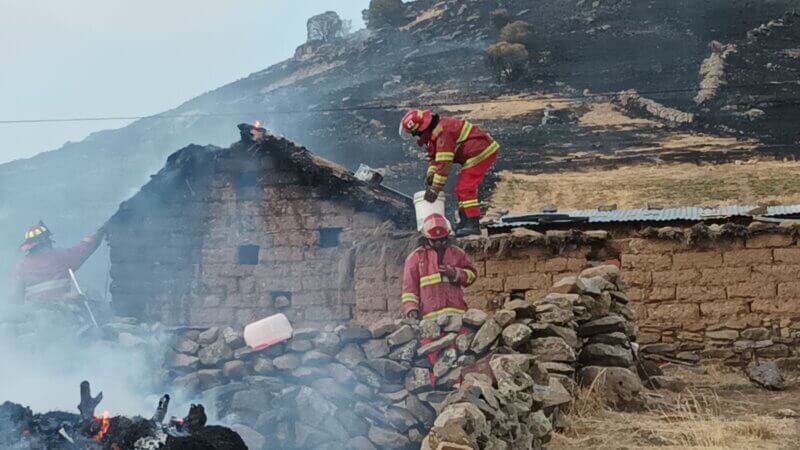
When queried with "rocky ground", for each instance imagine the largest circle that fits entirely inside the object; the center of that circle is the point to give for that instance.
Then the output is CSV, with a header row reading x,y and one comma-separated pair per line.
x,y
714,407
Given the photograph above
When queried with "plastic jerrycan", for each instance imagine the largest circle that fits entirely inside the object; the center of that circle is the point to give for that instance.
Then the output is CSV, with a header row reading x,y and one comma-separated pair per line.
x,y
268,331
424,208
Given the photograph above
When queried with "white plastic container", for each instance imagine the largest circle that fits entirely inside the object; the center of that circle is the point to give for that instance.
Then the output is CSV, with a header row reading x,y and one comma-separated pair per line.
x,y
425,208
266,332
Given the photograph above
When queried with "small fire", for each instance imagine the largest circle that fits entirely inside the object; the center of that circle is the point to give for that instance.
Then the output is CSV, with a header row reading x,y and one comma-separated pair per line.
x,y
257,124
105,424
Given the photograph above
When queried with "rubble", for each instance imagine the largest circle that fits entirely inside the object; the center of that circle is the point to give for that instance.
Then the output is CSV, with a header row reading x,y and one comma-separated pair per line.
x,y
502,380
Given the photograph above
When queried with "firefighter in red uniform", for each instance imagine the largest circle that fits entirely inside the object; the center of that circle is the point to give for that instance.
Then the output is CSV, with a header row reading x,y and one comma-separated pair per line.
x,y
42,274
434,277
451,140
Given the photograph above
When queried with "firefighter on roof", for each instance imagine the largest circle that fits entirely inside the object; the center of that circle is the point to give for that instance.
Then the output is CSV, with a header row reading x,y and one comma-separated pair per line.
x,y
451,140
42,274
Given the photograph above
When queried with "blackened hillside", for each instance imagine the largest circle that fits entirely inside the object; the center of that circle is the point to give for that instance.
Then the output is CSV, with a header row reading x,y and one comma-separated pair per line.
x,y
343,100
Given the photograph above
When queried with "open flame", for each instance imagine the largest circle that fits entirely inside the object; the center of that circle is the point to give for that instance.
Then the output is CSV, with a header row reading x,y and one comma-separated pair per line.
x,y
257,124
105,424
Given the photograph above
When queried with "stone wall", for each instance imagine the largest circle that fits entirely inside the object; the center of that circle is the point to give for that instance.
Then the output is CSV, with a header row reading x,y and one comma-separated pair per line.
x,y
502,380
728,297
723,299
523,266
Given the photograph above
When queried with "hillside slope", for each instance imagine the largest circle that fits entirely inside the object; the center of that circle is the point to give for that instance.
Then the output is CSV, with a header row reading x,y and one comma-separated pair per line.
x,y
343,101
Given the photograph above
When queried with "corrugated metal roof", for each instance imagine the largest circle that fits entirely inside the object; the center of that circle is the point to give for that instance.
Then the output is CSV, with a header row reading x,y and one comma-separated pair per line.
x,y
691,214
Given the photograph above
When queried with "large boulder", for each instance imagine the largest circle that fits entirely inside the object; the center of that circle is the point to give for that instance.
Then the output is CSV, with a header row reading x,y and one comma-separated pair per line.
x,y
606,355
486,336
215,354
617,385
768,376
551,349
516,334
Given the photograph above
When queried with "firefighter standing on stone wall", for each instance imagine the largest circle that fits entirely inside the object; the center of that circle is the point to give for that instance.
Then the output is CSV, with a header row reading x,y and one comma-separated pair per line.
x,y
43,273
451,140
434,277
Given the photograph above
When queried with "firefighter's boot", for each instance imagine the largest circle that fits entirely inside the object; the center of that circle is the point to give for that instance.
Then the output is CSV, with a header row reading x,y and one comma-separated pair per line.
x,y
468,226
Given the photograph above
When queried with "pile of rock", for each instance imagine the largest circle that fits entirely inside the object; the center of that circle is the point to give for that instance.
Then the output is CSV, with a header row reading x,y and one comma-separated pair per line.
x,y
584,326
605,327
367,388
498,381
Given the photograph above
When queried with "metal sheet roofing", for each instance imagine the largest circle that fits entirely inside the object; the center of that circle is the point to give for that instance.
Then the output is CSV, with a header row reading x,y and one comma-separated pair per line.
x,y
691,214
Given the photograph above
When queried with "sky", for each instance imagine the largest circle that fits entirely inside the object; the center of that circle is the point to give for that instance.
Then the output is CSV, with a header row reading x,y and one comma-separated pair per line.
x,y
94,58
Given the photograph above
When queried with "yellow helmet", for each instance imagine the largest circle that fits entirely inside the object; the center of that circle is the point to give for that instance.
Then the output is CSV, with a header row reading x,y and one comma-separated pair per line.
x,y
35,235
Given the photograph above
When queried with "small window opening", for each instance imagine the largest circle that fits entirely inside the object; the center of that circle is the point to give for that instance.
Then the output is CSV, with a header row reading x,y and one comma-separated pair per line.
x,y
329,237
248,254
281,299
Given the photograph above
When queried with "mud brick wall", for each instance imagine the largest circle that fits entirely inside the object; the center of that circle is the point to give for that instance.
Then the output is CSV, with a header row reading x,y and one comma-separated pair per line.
x,y
286,220
228,238
727,299
527,273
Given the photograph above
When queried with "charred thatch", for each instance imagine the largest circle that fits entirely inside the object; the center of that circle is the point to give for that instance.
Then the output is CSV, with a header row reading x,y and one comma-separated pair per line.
x,y
21,428
337,180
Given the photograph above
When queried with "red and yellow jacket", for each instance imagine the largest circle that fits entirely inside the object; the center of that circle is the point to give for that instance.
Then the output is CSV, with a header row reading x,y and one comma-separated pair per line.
x,y
426,290
456,140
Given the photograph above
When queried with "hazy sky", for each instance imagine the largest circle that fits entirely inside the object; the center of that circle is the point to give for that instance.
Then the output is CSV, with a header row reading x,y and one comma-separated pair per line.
x,y
89,58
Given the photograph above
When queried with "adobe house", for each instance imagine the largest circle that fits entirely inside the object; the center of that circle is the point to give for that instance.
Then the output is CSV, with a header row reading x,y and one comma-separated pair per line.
x,y
229,235
226,236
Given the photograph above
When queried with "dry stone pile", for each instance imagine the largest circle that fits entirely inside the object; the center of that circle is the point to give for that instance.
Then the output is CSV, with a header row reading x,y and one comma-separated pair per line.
x,y
499,381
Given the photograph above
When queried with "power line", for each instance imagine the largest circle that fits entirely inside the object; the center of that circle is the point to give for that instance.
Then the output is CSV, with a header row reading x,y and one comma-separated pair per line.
x,y
390,107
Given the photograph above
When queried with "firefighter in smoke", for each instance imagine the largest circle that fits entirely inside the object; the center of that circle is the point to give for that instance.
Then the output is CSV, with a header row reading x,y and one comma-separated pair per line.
x,y
434,277
451,140
43,273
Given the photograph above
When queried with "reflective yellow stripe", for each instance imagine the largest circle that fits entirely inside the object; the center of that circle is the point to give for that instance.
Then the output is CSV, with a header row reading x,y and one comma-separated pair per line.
x,y
439,179
490,150
431,169
470,276
430,280
468,203
466,129
410,298
445,156
443,311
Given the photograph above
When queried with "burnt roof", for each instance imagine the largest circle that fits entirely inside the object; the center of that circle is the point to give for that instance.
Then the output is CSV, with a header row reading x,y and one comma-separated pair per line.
x,y
192,167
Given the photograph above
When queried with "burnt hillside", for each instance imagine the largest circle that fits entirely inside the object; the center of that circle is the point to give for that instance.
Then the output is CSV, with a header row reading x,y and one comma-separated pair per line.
x,y
343,100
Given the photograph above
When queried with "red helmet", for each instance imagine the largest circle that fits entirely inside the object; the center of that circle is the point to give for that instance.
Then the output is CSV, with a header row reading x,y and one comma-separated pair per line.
x,y
435,226
415,122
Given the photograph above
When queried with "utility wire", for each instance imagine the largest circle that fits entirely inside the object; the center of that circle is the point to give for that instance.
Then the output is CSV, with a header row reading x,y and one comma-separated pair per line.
x,y
391,107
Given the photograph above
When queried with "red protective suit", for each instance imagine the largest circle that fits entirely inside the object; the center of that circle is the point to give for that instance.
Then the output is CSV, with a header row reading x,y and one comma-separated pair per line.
x,y
43,275
425,289
455,140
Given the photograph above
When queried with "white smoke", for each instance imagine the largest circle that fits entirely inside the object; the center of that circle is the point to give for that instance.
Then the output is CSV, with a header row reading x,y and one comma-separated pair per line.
x,y
42,363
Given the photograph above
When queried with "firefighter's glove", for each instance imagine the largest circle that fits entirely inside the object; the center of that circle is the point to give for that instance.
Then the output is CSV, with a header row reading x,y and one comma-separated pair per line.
x,y
413,315
431,194
429,179
450,272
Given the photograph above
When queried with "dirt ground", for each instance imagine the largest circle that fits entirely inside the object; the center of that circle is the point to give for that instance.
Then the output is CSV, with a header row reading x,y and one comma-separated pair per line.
x,y
666,185
719,409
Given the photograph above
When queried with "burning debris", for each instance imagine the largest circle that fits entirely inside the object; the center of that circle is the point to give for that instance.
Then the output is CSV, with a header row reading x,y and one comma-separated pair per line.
x,y
21,429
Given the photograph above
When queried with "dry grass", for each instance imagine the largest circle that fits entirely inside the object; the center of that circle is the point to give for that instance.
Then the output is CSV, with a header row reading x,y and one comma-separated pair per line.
x,y
731,415
668,185
606,114
509,107
424,16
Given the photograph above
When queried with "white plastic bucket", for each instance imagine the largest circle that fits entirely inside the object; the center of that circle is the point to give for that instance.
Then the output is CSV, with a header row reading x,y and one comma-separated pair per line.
x,y
269,331
425,208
